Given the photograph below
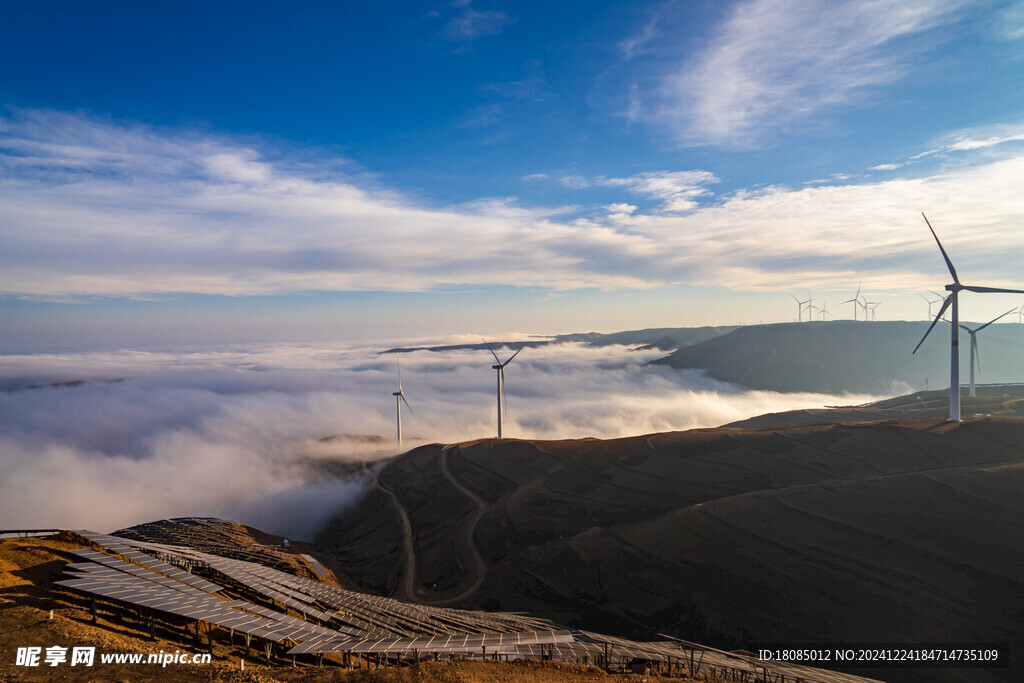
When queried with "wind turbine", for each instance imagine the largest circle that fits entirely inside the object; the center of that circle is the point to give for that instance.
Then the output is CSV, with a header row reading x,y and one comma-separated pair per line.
x,y
864,307
930,302
800,306
954,289
870,306
399,398
975,354
500,367
855,301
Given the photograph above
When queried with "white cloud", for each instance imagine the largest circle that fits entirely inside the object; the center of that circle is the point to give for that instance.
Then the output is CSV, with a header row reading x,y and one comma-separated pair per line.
x,y
94,208
621,209
886,167
776,63
632,45
970,139
236,431
575,182
535,176
471,24
677,190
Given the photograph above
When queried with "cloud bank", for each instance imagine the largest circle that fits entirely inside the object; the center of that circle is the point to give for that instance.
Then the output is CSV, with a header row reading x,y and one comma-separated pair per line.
x,y
244,432
95,208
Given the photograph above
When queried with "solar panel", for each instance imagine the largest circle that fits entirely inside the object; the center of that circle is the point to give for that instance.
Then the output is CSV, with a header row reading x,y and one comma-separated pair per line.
x,y
436,643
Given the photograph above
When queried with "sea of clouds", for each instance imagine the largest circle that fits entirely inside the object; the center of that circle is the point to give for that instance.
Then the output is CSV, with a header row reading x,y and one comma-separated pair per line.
x,y
239,431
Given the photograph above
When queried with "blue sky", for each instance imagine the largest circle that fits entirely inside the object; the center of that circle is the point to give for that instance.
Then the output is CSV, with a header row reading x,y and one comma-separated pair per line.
x,y
188,172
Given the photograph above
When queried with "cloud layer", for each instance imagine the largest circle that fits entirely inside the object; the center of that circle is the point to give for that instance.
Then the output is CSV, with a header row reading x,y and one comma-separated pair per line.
x,y
99,208
239,432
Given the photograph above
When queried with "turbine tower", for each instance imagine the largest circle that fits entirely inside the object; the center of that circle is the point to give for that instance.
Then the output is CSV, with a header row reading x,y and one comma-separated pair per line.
x,y
500,367
856,301
975,354
954,289
399,398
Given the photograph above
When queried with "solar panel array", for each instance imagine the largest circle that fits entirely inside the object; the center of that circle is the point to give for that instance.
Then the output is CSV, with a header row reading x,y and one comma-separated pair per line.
x,y
333,620
210,535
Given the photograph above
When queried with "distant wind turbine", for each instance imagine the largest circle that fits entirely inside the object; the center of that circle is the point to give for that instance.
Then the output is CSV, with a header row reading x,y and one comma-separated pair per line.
x,y
975,353
954,290
855,301
864,307
399,399
823,310
870,307
930,302
500,367
800,307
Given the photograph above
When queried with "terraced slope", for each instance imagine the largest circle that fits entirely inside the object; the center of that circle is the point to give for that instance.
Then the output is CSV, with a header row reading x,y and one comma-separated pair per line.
x,y
901,531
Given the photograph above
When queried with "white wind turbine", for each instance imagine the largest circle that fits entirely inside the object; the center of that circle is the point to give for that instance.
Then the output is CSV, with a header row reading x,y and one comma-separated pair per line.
x,y
800,306
855,301
869,307
975,354
930,302
954,289
500,367
864,307
399,398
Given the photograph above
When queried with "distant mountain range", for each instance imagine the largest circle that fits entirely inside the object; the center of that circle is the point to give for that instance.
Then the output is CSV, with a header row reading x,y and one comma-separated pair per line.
x,y
661,338
848,356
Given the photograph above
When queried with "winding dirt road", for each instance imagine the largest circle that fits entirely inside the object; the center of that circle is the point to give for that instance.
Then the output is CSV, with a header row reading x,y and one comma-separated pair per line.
x,y
409,588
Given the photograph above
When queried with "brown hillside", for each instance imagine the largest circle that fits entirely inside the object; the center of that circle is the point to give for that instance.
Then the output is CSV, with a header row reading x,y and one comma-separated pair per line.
x,y
902,531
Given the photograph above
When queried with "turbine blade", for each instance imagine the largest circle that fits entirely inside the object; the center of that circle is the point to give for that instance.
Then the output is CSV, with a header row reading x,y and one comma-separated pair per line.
x,y
996,290
794,298
977,354
1012,310
964,327
402,396
945,305
491,350
399,374
513,355
952,270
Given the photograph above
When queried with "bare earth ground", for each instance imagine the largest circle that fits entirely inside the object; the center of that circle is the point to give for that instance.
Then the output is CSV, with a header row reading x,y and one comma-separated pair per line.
x,y
28,566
